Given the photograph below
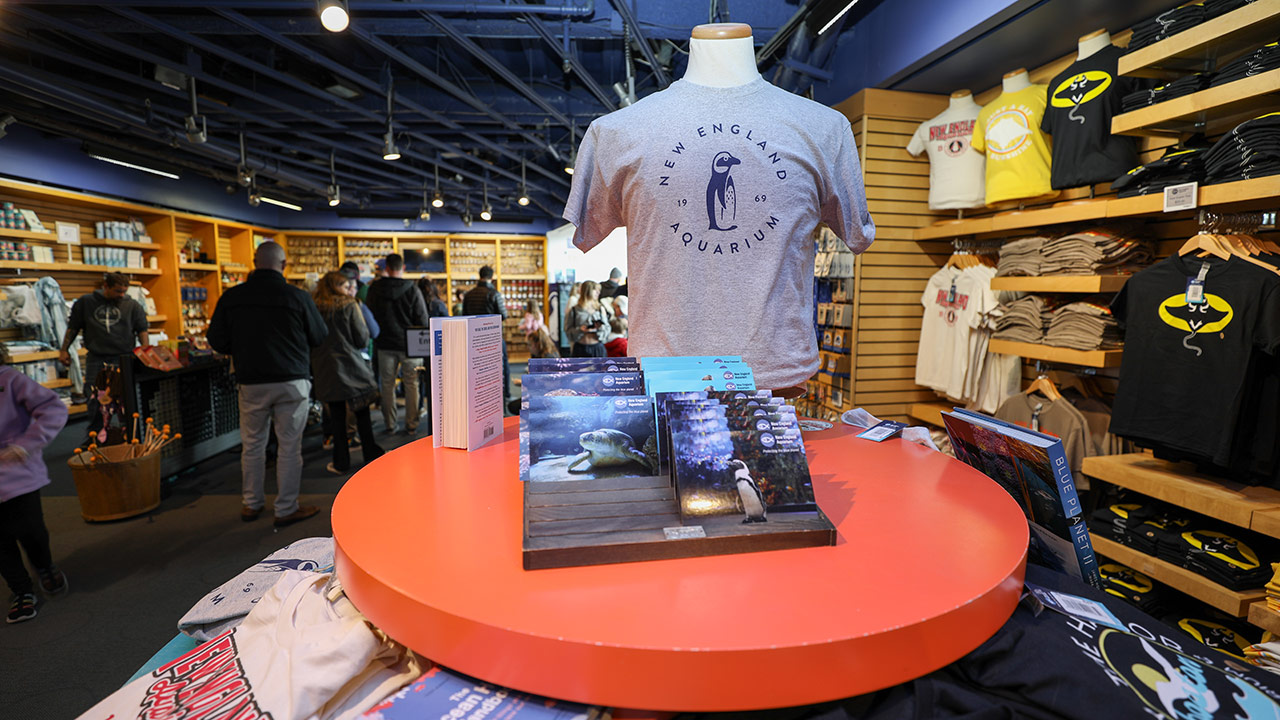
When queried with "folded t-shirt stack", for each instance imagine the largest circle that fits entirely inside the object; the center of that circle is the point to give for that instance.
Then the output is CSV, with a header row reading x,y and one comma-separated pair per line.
x,y
1214,8
1092,252
1160,27
1134,587
1184,85
1178,165
1139,524
1023,320
1259,61
1084,325
1020,257
1251,149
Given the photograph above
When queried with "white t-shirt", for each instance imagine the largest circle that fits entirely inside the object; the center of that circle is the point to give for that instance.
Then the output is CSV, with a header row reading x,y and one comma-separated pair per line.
x,y
954,302
956,171
720,190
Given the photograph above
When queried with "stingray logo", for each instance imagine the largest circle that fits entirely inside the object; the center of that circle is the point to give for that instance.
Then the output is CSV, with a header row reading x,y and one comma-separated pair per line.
x,y
1009,132
607,381
1223,547
107,315
1178,686
1218,637
1211,316
287,564
1080,89
1126,577
768,440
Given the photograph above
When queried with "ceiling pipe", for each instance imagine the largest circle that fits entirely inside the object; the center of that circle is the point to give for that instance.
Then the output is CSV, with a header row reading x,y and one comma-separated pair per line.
x,y
630,19
565,51
584,10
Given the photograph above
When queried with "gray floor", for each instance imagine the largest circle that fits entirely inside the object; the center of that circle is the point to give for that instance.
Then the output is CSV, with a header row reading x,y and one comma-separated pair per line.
x,y
132,579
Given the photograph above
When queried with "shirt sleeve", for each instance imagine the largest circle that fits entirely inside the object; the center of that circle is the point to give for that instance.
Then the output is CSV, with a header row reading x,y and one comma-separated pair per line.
x,y
844,200
369,322
76,320
594,206
317,331
978,142
1268,334
1119,305
48,414
140,323
916,146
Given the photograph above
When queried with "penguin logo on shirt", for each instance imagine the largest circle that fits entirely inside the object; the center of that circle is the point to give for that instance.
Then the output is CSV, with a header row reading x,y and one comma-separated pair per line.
x,y
722,199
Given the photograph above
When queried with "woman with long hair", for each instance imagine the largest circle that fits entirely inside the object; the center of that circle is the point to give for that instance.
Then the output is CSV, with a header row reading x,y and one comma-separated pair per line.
x,y
588,326
342,378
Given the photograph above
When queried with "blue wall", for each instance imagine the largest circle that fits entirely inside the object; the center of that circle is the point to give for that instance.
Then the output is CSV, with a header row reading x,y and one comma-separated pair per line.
x,y
26,154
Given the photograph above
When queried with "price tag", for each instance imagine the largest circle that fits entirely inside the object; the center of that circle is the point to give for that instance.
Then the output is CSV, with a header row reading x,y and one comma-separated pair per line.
x,y
883,431
951,296
684,533
1180,197
1075,606
1195,287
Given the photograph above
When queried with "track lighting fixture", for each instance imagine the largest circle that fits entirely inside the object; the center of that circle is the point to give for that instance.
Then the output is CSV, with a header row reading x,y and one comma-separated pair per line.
x,y
437,200
333,14
133,162
466,210
5,122
244,175
407,222
389,149
197,130
424,213
334,191
572,159
523,199
254,198
486,210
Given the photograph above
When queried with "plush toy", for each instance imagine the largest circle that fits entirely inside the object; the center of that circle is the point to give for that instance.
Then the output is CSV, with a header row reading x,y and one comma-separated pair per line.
x,y
109,426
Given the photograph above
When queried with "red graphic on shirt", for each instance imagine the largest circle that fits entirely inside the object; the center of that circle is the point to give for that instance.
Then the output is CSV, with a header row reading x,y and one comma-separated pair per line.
x,y
953,137
208,682
948,306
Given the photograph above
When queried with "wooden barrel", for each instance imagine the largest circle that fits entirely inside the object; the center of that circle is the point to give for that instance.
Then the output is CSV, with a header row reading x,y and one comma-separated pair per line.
x,y
121,488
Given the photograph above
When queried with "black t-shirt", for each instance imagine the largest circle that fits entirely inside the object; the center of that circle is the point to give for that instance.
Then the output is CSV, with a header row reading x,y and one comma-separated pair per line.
x,y
1186,367
1082,99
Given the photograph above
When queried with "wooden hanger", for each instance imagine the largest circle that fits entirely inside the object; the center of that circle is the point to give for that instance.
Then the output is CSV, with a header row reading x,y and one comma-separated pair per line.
x,y
1206,244
1044,386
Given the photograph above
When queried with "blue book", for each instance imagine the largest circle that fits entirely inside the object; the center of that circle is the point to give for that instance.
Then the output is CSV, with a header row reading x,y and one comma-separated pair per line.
x,y
443,694
1033,468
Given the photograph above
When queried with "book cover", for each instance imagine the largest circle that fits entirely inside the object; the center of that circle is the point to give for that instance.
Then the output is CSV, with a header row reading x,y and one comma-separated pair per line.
x,y
440,693
466,373
614,364
570,384
1033,469
589,438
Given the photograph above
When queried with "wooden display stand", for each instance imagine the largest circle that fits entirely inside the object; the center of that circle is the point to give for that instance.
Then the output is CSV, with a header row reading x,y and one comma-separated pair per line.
x,y
121,488
928,563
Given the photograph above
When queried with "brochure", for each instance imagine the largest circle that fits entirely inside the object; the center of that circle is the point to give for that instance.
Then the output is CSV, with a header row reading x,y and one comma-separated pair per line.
x,y
443,694
588,438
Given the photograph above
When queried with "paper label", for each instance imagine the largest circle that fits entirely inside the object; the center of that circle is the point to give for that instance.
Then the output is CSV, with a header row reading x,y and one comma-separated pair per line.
x,y
883,431
68,233
690,532
1180,197
1075,606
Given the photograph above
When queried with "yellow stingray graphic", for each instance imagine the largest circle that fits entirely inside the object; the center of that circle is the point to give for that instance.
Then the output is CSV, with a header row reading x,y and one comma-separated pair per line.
x,y
1180,301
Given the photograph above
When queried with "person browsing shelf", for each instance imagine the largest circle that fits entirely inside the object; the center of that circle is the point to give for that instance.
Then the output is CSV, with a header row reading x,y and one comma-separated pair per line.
x,y
588,326
397,305
484,299
342,377
112,324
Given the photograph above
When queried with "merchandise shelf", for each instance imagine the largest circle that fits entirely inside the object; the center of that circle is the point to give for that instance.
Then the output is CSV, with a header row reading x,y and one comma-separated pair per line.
x,y
28,235
1192,49
1264,617
1066,212
1210,111
157,318
952,228
59,383
77,409
1174,483
42,355
203,267
1266,522
1048,353
78,267
1061,283
516,276
1197,586
930,413
102,242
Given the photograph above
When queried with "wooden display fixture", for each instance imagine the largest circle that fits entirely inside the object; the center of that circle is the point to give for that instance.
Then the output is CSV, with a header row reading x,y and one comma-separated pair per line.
x,y
1048,353
953,228
157,318
1067,212
1061,283
199,267
14,233
930,413
1266,522
98,242
81,267
1192,49
1211,111
597,522
1177,484
59,383
1264,617
1197,586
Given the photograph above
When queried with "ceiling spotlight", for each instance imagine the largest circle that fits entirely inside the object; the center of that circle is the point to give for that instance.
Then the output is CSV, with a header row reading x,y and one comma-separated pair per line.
x,y
333,15
407,222
197,130
466,210
389,149
254,198
244,175
523,199
486,210
437,200
424,213
466,218
334,191
5,122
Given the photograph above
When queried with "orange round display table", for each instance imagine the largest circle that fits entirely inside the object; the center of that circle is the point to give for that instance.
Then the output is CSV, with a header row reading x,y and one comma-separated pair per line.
x,y
928,564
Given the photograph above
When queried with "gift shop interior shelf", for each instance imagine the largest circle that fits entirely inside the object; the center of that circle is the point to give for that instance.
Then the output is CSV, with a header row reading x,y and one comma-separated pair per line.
x,y
100,242
1264,617
1197,586
1212,111
1061,283
1193,49
79,267
930,413
1048,353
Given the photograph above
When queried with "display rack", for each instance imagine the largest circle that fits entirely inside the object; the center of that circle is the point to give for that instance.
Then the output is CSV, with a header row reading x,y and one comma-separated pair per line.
x,y
930,413
1061,283
1211,111
1048,353
1264,617
1194,49
1197,586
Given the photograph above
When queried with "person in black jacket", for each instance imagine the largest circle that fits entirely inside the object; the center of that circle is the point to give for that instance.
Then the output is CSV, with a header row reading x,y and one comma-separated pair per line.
x,y
268,327
397,306
484,299
435,308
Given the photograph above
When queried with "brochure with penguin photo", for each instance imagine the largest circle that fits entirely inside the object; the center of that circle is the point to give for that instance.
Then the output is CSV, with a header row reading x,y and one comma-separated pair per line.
x,y
589,438
1033,469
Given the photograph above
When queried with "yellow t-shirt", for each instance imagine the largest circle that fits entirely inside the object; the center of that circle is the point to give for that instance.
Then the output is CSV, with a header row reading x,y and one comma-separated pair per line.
x,y
1018,154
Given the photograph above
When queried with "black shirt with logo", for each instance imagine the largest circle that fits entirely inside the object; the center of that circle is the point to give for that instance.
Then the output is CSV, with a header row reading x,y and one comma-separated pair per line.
x,y
1187,368
1082,100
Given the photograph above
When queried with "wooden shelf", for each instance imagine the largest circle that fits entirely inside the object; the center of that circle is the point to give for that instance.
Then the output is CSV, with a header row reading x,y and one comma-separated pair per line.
x,y
28,235
77,409
513,276
1061,283
1048,353
1197,586
1067,212
1192,49
102,242
78,267
952,228
59,383
930,413
1210,111
1178,483
157,318
203,267
42,355
1264,617
1266,522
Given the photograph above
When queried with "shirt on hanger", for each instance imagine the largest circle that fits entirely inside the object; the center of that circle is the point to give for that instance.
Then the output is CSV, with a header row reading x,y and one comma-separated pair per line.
x,y
955,169
1082,100
953,301
1052,417
720,190
1183,375
1018,155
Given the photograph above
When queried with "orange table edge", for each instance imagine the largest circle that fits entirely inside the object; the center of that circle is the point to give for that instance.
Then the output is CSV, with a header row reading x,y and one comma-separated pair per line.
x,y
928,564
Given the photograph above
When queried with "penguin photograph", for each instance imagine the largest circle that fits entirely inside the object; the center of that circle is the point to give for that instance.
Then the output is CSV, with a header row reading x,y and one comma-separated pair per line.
x,y
749,493
722,199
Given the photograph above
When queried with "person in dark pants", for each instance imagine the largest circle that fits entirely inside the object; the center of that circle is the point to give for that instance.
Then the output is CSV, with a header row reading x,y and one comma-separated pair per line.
x,y
436,307
587,325
484,299
397,305
30,416
342,377
111,323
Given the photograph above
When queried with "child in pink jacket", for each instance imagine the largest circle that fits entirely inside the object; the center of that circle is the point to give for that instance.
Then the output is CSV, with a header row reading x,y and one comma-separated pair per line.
x,y
30,416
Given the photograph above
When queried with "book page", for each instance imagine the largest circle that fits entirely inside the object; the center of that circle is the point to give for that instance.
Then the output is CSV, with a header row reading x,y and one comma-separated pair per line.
x,y
484,376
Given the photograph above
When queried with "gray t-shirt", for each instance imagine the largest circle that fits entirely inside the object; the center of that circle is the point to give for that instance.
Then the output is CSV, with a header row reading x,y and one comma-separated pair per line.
x,y
720,189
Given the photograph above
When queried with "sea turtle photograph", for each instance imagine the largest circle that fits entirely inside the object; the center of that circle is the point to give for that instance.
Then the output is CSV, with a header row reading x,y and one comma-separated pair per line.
x,y
584,438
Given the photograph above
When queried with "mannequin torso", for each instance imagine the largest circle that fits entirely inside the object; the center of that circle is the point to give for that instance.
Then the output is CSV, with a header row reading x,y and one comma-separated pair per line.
x,y
1092,43
1016,80
722,55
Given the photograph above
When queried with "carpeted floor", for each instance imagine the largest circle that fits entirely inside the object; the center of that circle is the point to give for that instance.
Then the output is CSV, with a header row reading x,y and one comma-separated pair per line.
x,y
131,580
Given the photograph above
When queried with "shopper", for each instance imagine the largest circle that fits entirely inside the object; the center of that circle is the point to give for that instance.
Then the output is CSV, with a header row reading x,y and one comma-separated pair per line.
x,y
617,347
532,320
609,287
397,305
587,326
342,377
436,307
113,324
268,327
484,299
30,416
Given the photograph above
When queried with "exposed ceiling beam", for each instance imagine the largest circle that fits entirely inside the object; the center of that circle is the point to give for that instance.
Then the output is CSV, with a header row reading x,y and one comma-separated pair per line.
x,y
568,56
568,10
629,18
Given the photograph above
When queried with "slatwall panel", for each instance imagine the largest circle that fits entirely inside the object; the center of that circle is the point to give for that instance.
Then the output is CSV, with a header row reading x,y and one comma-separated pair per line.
x,y
891,275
